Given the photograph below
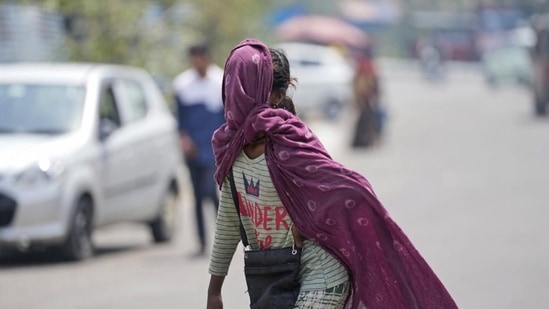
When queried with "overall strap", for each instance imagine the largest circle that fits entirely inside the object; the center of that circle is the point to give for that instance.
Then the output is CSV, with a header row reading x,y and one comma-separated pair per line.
x,y
236,205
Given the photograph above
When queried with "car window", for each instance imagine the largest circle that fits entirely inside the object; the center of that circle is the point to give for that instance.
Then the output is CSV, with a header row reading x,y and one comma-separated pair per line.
x,y
107,106
304,59
309,62
132,100
40,108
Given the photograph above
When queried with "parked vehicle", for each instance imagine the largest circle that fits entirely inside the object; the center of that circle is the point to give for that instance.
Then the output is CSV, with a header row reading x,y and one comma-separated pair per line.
x,y
431,62
507,64
540,60
324,78
83,146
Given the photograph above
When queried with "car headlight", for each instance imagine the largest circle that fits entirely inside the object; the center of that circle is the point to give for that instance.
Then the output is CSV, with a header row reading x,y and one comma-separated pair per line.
x,y
43,172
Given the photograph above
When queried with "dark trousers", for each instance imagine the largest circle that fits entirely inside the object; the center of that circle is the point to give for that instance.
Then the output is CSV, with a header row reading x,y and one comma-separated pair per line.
x,y
365,128
204,186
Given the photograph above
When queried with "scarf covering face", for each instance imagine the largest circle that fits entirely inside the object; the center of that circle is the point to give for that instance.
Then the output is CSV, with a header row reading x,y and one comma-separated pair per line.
x,y
330,204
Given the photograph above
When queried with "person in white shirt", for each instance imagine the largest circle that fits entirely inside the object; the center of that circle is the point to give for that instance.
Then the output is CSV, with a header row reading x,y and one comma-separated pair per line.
x,y
199,112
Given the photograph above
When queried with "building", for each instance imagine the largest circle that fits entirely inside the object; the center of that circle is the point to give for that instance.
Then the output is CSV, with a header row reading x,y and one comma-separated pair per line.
x,y
30,33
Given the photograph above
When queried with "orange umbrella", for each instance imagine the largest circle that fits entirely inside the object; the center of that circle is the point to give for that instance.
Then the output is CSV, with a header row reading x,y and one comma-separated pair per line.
x,y
323,30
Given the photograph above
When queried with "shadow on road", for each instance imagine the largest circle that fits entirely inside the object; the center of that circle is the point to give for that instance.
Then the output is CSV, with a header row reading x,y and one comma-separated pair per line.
x,y
52,257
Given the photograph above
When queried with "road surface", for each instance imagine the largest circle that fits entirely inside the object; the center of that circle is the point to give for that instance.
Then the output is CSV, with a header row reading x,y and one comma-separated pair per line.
x,y
463,168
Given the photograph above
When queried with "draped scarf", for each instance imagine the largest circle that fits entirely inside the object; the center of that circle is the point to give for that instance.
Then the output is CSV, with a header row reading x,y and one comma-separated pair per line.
x,y
330,204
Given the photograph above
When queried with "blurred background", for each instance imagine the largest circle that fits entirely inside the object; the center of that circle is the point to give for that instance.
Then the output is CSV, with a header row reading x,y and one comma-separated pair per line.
x,y
155,34
441,104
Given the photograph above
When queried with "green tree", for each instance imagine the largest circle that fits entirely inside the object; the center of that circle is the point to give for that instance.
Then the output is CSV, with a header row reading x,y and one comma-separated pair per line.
x,y
225,23
118,31
102,31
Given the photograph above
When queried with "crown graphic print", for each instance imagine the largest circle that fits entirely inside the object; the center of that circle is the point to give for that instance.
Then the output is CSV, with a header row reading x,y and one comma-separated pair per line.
x,y
251,187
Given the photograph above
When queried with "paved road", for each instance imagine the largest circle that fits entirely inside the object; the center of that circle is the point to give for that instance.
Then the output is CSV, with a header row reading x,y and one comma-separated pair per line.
x,y
463,168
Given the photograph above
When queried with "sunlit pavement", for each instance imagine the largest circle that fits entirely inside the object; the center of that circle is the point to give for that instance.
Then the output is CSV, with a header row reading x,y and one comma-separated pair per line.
x,y
463,168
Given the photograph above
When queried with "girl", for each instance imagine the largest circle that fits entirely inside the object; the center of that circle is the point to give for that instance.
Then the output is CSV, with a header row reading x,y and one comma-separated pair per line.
x,y
354,255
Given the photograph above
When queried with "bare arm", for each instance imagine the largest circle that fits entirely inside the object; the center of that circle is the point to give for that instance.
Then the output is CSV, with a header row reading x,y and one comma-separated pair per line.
x,y
214,292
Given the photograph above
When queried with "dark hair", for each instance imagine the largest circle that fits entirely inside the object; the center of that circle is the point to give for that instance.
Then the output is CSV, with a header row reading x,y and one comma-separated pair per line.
x,y
199,49
281,81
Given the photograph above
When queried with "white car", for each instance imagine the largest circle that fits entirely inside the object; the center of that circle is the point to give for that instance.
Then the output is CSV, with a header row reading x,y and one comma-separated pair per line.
x,y
324,78
82,146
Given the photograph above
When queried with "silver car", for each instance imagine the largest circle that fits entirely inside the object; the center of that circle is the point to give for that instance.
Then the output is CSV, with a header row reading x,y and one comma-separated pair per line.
x,y
324,78
83,146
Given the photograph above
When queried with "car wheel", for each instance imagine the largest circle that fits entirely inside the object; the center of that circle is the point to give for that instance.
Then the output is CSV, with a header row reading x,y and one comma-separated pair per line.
x,y
491,81
523,81
332,109
163,227
540,107
79,243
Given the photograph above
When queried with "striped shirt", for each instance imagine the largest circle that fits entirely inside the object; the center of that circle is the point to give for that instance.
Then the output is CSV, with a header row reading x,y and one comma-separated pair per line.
x,y
267,225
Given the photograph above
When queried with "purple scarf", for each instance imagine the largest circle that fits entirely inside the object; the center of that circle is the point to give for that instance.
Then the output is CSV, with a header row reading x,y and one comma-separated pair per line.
x,y
330,204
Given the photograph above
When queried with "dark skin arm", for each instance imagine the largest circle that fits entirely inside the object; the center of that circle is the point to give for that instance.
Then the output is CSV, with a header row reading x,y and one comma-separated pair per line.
x,y
214,292
215,301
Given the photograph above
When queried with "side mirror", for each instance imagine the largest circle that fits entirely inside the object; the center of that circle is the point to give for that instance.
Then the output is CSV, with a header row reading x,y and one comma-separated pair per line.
x,y
106,128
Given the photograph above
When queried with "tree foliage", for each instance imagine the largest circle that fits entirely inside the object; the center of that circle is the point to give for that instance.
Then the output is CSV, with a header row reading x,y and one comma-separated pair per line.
x,y
155,34
225,23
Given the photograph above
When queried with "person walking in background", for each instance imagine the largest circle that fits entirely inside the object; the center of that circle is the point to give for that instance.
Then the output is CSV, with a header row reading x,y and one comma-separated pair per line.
x,y
287,188
199,112
369,125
